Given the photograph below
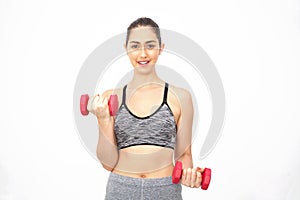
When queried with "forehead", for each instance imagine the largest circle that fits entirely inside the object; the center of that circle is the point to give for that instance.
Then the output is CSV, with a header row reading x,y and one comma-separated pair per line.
x,y
142,34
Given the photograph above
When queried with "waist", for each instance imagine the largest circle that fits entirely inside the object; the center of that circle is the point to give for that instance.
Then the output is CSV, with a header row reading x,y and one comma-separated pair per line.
x,y
127,180
145,162
159,173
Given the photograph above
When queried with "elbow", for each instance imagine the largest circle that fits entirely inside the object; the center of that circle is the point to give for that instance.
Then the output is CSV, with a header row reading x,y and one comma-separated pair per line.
x,y
108,168
108,162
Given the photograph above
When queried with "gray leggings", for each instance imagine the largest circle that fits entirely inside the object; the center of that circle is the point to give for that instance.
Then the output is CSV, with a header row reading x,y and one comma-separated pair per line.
x,y
126,188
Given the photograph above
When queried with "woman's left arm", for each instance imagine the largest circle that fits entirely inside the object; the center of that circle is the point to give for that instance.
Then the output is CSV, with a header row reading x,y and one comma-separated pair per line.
x,y
190,177
183,146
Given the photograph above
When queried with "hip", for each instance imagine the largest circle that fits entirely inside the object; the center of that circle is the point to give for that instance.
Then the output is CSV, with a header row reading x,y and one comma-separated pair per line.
x,y
124,187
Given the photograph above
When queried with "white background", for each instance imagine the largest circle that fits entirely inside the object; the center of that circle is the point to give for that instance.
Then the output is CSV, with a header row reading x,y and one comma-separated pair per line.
x,y
255,46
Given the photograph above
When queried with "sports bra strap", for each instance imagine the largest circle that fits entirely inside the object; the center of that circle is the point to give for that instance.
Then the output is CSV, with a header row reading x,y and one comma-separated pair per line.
x,y
166,92
124,95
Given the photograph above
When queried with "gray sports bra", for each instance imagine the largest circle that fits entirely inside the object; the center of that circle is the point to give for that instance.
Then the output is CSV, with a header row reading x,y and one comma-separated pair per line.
x,y
158,129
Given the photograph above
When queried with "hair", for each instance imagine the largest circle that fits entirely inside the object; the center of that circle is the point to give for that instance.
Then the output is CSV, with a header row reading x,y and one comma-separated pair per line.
x,y
144,21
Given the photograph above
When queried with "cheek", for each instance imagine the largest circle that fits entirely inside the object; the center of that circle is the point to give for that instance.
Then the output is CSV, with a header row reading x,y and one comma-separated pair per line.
x,y
132,55
133,52
154,55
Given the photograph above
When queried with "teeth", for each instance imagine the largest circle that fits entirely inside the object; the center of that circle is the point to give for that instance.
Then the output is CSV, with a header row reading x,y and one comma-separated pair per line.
x,y
144,62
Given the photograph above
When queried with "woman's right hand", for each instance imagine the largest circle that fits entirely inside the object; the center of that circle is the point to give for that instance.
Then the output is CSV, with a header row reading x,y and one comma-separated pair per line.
x,y
98,105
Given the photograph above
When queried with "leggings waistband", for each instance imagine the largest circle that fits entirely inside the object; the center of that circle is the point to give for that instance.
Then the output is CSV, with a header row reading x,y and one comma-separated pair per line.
x,y
146,182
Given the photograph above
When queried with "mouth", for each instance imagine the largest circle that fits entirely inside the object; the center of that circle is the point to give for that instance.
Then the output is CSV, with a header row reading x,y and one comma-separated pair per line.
x,y
143,62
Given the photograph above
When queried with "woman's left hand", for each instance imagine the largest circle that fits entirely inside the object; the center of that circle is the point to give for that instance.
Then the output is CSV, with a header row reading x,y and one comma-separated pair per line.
x,y
192,177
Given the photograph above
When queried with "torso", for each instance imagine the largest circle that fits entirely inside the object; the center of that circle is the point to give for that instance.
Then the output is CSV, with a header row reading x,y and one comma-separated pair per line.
x,y
147,161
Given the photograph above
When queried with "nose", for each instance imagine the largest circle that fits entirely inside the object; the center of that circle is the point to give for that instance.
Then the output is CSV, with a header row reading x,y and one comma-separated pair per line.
x,y
143,53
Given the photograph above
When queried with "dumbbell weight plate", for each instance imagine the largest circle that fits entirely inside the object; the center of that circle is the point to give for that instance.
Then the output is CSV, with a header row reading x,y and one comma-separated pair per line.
x,y
84,99
176,176
113,104
206,176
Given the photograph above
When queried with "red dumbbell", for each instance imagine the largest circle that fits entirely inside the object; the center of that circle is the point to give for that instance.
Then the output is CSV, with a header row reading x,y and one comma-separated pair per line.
x,y
177,172
113,104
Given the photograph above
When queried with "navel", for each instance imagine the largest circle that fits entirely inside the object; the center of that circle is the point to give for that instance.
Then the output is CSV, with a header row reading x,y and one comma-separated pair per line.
x,y
143,176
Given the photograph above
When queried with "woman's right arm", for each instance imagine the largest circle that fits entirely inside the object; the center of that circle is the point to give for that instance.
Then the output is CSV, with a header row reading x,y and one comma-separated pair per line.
x,y
107,151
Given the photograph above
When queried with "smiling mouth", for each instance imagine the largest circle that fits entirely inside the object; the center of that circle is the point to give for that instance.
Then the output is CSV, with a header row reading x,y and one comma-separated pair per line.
x,y
143,62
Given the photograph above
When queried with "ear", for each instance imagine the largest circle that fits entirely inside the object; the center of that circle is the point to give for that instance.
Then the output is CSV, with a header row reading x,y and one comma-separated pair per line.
x,y
162,46
125,47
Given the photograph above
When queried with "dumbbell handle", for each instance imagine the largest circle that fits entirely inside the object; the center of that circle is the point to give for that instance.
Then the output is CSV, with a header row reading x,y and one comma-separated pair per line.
x,y
113,104
177,172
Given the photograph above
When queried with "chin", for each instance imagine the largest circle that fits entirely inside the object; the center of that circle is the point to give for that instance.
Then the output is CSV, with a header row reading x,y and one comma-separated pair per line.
x,y
144,69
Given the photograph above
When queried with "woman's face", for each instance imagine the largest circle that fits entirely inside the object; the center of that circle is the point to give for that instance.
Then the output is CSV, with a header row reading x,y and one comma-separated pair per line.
x,y
143,47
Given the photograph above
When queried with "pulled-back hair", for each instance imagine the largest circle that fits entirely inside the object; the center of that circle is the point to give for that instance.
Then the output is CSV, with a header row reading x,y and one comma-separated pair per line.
x,y
144,21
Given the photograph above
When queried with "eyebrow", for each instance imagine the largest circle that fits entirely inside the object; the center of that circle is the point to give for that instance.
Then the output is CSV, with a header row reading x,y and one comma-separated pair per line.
x,y
136,42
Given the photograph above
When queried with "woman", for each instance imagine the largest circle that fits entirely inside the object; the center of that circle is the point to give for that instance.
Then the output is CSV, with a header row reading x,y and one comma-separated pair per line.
x,y
153,126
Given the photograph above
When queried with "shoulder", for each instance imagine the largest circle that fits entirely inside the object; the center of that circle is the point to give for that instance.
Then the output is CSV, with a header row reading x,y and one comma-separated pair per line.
x,y
182,94
114,91
180,101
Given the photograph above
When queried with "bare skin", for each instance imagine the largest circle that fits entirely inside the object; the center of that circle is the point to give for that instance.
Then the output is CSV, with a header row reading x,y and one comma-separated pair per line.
x,y
144,95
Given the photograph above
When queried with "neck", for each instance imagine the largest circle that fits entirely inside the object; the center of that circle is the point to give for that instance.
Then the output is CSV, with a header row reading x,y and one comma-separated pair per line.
x,y
144,79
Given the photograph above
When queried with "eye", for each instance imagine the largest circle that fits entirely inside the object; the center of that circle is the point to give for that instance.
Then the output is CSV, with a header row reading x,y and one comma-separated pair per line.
x,y
150,46
134,46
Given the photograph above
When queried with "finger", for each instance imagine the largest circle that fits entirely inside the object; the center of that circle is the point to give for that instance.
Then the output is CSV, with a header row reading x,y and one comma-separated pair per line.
x,y
105,105
198,179
96,102
96,98
188,176
201,170
89,105
91,102
183,177
193,177
105,101
101,99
